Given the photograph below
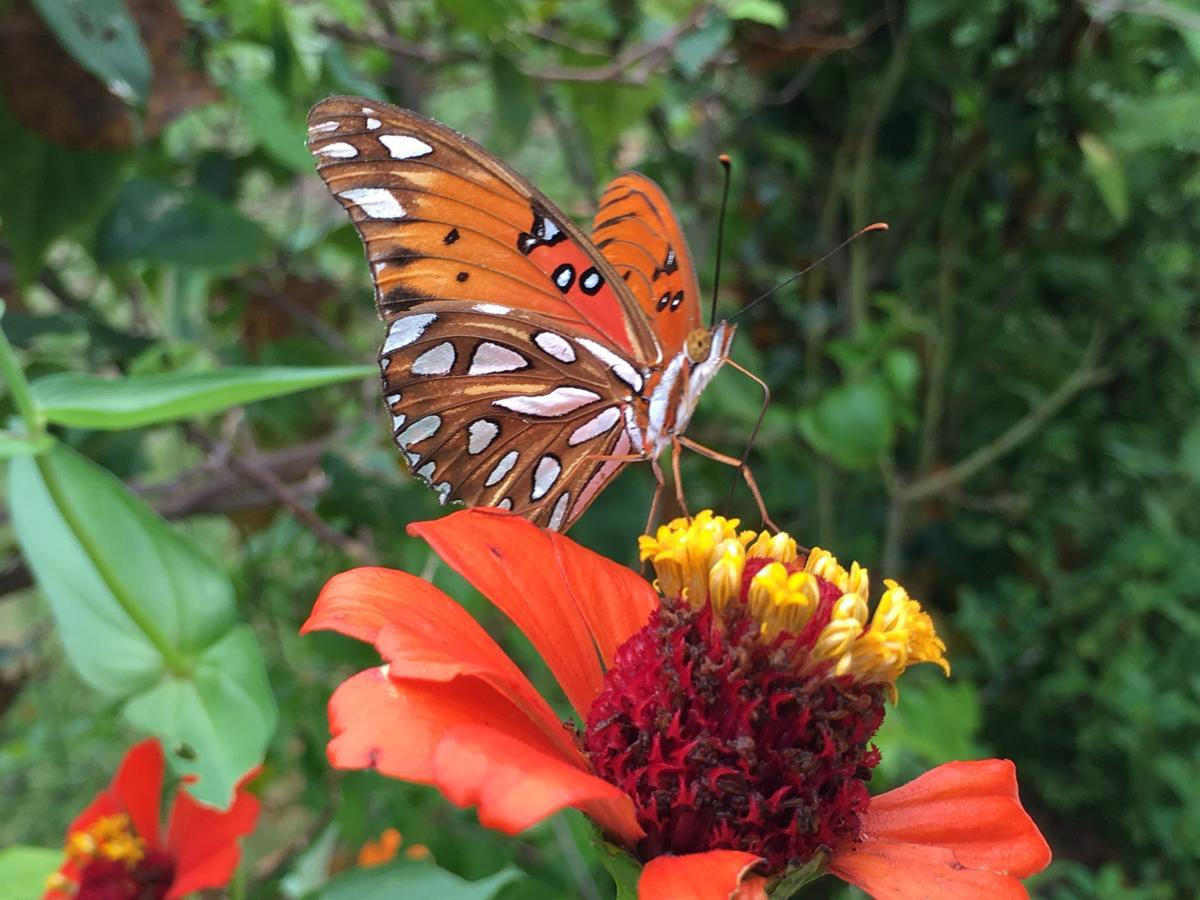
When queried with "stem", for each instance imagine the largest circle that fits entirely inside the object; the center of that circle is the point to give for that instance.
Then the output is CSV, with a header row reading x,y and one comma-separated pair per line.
x,y
175,661
13,375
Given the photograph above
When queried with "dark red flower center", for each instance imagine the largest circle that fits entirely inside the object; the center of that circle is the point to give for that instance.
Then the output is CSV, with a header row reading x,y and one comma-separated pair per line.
x,y
108,879
725,741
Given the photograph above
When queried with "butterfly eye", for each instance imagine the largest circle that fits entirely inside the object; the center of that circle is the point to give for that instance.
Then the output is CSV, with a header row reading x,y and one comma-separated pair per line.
x,y
699,345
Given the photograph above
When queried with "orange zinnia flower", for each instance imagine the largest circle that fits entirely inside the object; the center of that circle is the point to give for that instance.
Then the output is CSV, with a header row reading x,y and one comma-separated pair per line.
x,y
115,848
727,716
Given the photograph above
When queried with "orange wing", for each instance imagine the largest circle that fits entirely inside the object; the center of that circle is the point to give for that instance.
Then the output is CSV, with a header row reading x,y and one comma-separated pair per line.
x,y
442,219
636,229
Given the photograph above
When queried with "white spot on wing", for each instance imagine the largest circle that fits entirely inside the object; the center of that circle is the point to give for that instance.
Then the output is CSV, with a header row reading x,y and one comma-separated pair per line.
x,y
558,402
372,124
426,471
595,426
443,490
419,431
502,468
489,358
413,458
480,435
544,476
437,361
506,503
404,146
492,309
323,127
398,421
403,332
555,345
560,511
620,366
378,203
339,150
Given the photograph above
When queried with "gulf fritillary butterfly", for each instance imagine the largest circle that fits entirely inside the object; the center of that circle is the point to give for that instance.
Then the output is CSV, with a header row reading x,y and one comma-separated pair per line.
x,y
525,364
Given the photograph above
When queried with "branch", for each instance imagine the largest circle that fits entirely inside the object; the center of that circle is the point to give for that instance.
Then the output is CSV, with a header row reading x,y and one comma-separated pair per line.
x,y
1085,375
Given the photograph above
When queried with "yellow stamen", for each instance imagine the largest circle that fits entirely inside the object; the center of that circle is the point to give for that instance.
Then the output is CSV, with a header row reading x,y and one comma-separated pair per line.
x,y
703,560
109,837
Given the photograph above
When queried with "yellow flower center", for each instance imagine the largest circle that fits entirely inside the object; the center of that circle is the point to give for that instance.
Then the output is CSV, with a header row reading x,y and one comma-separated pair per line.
x,y
109,838
704,560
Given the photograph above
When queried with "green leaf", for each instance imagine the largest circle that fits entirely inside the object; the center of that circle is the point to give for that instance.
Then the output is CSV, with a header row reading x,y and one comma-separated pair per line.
x,y
110,404
23,444
145,616
223,711
157,223
1106,171
515,102
414,881
765,12
280,132
1164,120
47,192
311,869
624,869
851,424
102,38
23,871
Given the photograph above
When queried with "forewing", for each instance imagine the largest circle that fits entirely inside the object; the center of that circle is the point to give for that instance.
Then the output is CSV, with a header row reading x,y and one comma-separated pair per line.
x,y
636,229
442,219
506,409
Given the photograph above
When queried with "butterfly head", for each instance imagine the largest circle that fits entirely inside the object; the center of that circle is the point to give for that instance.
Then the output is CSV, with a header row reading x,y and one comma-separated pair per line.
x,y
699,345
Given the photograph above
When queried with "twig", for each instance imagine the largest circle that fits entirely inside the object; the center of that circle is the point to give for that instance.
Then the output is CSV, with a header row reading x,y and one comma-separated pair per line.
x,y
254,472
1085,375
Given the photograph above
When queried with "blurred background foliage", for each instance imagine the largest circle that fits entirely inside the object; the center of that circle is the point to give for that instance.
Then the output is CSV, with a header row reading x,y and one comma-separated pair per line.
x,y
995,402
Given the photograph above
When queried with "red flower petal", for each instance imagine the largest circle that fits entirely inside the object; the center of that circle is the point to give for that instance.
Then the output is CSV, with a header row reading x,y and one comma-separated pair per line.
x,y
897,871
970,808
203,841
517,567
714,875
614,600
516,785
395,725
138,789
424,635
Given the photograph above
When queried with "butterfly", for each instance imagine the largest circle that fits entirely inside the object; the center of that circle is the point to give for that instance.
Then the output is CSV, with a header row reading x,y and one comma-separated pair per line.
x,y
525,363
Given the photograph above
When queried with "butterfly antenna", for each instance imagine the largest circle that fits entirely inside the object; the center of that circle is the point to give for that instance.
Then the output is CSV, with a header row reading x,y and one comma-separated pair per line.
x,y
725,162
874,226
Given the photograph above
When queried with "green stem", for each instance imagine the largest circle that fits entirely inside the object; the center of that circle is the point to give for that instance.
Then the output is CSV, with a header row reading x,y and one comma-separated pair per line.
x,y
11,371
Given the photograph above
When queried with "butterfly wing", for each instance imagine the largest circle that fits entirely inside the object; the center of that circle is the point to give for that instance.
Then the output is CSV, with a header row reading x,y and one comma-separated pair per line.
x,y
442,219
514,350
503,409
636,229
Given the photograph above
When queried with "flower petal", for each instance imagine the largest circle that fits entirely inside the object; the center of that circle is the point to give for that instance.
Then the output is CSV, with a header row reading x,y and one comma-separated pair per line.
x,y
713,875
890,870
204,841
137,788
626,599
970,808
515,784
516,566
395,725
423,634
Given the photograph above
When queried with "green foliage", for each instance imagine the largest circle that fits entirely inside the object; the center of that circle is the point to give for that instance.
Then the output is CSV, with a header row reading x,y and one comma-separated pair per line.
x,y
994,402
23,871
107,404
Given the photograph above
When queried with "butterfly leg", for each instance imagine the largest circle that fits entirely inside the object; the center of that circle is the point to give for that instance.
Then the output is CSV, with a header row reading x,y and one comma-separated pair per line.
x,y
762,414
676,452
658,489
738,464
